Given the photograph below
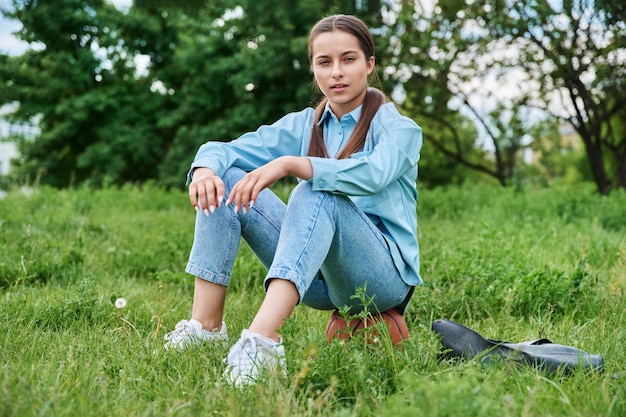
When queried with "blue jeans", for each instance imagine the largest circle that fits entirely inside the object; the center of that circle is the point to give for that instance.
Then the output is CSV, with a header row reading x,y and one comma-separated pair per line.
x,y
319,241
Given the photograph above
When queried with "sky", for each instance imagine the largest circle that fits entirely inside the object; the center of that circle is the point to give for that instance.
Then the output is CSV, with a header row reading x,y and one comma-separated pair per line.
x,y
9,43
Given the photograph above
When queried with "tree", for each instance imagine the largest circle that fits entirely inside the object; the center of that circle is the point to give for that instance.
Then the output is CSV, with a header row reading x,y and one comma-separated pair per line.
x,y
236,69
566,59
436,63
214,70
577,52
80,81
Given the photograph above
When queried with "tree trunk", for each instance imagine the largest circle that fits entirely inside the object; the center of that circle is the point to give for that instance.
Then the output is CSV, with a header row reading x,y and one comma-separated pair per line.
x,y
620,158
596,161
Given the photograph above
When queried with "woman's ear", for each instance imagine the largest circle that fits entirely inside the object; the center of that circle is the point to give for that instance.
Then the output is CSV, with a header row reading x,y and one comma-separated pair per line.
x,y
370,65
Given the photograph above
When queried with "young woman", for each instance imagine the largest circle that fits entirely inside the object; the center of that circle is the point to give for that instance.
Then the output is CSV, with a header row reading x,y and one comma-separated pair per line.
x,y
349,223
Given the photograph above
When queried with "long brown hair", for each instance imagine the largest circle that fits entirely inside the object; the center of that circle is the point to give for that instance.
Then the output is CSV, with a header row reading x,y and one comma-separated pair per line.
x,y
374,98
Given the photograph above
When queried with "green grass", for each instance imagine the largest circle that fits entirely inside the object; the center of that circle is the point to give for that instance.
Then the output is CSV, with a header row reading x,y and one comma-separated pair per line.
x,y
512,264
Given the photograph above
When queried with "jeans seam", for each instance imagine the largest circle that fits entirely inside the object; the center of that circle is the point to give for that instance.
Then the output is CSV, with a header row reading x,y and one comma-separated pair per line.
x,y
298,263
310,232
269,219
375,230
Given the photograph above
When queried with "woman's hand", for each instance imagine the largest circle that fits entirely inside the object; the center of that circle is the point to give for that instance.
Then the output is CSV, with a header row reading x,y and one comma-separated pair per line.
x,y
246,191
206,190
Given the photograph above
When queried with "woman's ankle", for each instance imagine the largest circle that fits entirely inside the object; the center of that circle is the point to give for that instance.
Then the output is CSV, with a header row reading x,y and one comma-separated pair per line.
x,y
209,324
269,333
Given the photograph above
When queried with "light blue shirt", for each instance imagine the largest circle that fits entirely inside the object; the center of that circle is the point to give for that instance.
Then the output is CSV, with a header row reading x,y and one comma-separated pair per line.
x,y
380,179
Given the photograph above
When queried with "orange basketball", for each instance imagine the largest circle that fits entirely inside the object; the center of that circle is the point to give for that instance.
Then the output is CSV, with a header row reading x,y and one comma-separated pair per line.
x,y
337,328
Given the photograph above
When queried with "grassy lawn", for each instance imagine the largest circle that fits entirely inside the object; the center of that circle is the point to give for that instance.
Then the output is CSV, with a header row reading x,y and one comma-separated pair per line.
x,y
512,264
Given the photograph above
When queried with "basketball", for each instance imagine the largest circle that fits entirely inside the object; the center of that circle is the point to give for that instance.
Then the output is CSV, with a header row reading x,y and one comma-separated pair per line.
x,y
337,328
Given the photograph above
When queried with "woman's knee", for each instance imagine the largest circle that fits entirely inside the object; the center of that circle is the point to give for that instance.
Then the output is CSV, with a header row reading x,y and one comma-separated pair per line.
x,y
302,189
232,176
304,192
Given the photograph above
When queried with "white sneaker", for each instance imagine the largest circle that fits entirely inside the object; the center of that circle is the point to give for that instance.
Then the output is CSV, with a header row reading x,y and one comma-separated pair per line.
x,y
251,356
190,333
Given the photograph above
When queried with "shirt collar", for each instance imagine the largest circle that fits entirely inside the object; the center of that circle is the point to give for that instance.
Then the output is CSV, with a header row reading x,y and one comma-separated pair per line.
x,y
354,114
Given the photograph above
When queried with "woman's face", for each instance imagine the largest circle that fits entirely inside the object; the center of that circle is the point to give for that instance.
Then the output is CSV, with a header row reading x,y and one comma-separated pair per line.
x,y
341,69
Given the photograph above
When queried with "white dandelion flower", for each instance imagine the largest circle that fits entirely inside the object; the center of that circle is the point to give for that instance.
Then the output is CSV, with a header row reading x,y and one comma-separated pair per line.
x,y
120,303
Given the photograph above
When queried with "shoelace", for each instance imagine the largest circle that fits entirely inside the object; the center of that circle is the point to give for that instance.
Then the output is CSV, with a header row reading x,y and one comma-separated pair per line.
x,y
182,329
243,357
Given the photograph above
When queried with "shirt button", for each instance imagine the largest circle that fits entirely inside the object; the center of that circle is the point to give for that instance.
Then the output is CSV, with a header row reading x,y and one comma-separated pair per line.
x,y
322,183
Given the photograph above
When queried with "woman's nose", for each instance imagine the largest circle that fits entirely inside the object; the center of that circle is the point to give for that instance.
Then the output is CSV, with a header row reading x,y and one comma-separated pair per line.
x,y
337,70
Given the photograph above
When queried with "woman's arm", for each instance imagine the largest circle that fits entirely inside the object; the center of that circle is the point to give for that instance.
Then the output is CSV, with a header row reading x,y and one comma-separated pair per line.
x,y
246,191
287,136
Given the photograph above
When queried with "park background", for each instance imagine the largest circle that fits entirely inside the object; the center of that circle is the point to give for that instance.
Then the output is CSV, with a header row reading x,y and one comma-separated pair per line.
x,y
521,207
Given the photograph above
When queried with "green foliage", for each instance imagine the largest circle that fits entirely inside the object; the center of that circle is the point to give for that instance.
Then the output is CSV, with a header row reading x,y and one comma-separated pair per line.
x,y
505,65
439,66
515,264
82,85
215,69
555,162
438,168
